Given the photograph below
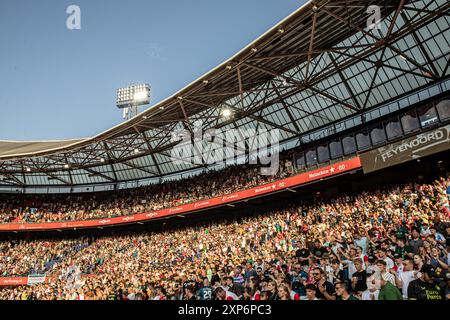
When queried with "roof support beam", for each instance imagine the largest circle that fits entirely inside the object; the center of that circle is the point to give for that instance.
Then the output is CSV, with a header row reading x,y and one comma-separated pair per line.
x,y
96,173
144,136
241,89
446,68
304,85
272,124
140,169
110,159
311,45
243,114
421,47
69,171
344,81
14,179
384,41
286,108
53,176
227,92
379,42
308,113
384,65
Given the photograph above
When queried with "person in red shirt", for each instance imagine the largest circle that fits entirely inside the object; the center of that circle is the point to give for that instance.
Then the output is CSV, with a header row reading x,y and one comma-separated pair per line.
x,y
222,294
253,293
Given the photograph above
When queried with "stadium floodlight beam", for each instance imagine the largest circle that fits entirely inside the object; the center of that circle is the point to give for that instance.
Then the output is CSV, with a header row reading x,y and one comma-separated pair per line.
x,y
226,113
130,98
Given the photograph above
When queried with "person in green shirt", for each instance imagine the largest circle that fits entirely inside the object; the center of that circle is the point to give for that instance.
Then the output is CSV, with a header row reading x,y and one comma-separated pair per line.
x,y
389,292
342,291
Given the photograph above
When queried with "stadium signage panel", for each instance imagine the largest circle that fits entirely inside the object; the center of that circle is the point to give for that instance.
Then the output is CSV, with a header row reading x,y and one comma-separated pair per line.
x,y
329,171
32,279
14,281
416,147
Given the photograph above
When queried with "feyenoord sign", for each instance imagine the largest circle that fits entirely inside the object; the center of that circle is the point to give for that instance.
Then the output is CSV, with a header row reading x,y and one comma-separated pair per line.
x,y
416,147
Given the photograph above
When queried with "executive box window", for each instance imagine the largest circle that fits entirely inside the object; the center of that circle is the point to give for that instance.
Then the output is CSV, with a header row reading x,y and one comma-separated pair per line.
x,y
443,109
349,145
377,134
300,161
336,149
311,157
427,115
393,129
363,140
410,122
323,153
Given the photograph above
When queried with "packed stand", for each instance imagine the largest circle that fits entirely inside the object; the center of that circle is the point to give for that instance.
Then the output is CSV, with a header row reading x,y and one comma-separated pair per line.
x,y
389,244
42,208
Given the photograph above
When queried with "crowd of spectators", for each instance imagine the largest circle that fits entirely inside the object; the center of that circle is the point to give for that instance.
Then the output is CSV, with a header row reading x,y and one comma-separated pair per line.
x,y
52,208
386,244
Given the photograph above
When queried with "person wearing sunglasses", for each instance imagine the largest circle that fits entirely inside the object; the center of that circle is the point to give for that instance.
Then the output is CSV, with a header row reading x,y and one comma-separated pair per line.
x,y
326,290
342,292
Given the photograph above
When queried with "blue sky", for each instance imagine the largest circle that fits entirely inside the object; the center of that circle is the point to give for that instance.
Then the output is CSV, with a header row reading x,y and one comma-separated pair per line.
x,y
57,83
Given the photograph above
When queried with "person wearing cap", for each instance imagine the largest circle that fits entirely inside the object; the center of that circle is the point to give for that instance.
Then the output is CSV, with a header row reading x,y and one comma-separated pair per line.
x,y
398,262
426,287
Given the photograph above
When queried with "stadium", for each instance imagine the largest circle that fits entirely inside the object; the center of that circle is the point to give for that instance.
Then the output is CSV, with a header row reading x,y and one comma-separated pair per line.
x,y
350,107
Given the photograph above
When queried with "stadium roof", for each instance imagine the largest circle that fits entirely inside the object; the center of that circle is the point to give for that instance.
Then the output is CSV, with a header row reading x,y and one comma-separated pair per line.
x,y
318,66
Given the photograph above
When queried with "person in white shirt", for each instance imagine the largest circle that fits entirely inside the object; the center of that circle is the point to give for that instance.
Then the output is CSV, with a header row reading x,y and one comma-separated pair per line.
x,y
335,246
370,294
373,287
405,276
362,256
361,241
381,255
382,268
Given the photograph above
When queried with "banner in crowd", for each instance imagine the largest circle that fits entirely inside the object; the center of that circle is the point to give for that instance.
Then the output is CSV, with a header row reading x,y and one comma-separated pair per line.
x,y
25,281
315,175
16,281
419,146
35,279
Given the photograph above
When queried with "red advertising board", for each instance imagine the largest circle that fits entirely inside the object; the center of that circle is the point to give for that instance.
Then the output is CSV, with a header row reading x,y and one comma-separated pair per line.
x,y
16,281
325,172
24,281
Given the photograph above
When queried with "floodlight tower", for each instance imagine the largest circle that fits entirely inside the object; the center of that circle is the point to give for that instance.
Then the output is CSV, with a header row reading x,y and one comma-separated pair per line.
x,y
129,99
